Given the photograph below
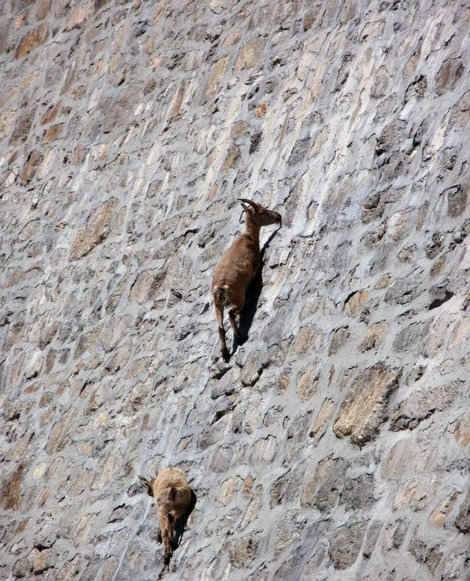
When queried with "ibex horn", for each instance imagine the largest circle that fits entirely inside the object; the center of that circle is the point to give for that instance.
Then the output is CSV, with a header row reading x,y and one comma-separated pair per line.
x,y
252,204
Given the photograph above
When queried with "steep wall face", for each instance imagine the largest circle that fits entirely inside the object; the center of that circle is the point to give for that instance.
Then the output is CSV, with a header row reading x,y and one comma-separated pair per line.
x,y
335,443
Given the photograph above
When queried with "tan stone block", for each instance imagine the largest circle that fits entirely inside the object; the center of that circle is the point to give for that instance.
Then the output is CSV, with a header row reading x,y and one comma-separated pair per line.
x,y
317,147
339,338
108,571
43,498
405,459
52,133
384,281
22,127
261,110
39,470
233,154
10,497
264,450
414,495
22,525
215,76
363,409
232,39
86,448
42,9
438,265
375,335
307,339
96,230
20,20
248,485
283,382
177,102
79,14
31,40
79,153
307,384
7,121
253,509
462,431
355,302
322,419
57,436
250,55
31,166
41,560
146,285
107,473
439,514
239,129
228,490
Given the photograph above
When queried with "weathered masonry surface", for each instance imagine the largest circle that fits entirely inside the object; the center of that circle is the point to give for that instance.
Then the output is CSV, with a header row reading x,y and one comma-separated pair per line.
x,y
335,444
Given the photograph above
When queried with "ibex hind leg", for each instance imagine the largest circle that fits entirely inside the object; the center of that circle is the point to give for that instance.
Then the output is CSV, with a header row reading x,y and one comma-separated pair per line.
x,y
233,314
219,313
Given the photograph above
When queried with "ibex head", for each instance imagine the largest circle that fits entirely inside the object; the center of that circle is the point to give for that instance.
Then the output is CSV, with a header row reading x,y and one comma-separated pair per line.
x,y
260,215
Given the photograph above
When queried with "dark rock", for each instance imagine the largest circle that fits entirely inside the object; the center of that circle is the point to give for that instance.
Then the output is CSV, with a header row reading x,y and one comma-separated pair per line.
x,y
372,536
431,556
416,89
403,290
440,294
242,551
398,535
390,138
323,483
456,200
462,522
299,151
411,337
346,544
358,493
448,75
422,404
10,498
338,339
435,245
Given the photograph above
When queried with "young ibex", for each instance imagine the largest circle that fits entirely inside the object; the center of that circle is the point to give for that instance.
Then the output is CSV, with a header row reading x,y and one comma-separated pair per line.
x,y
175,501
238,267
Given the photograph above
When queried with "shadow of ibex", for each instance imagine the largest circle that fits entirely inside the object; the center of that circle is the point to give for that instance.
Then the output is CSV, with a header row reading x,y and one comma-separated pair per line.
x,y
253,293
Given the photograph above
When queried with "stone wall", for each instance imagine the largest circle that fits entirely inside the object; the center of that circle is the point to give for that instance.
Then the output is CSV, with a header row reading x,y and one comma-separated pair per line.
x,y
335,443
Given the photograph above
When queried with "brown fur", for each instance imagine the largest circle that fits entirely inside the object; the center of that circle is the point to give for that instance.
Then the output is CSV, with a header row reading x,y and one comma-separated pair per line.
x,y
237,268
175,501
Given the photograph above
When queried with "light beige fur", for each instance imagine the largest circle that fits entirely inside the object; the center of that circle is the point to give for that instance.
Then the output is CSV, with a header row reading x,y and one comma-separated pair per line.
x,y
175,501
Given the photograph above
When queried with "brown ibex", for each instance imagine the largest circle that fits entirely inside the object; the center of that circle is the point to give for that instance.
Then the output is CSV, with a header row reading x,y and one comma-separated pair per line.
x,y
175,501
238,267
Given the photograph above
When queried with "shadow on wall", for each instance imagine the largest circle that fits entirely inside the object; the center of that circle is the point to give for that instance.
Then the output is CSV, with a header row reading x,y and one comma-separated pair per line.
x,y
253,293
